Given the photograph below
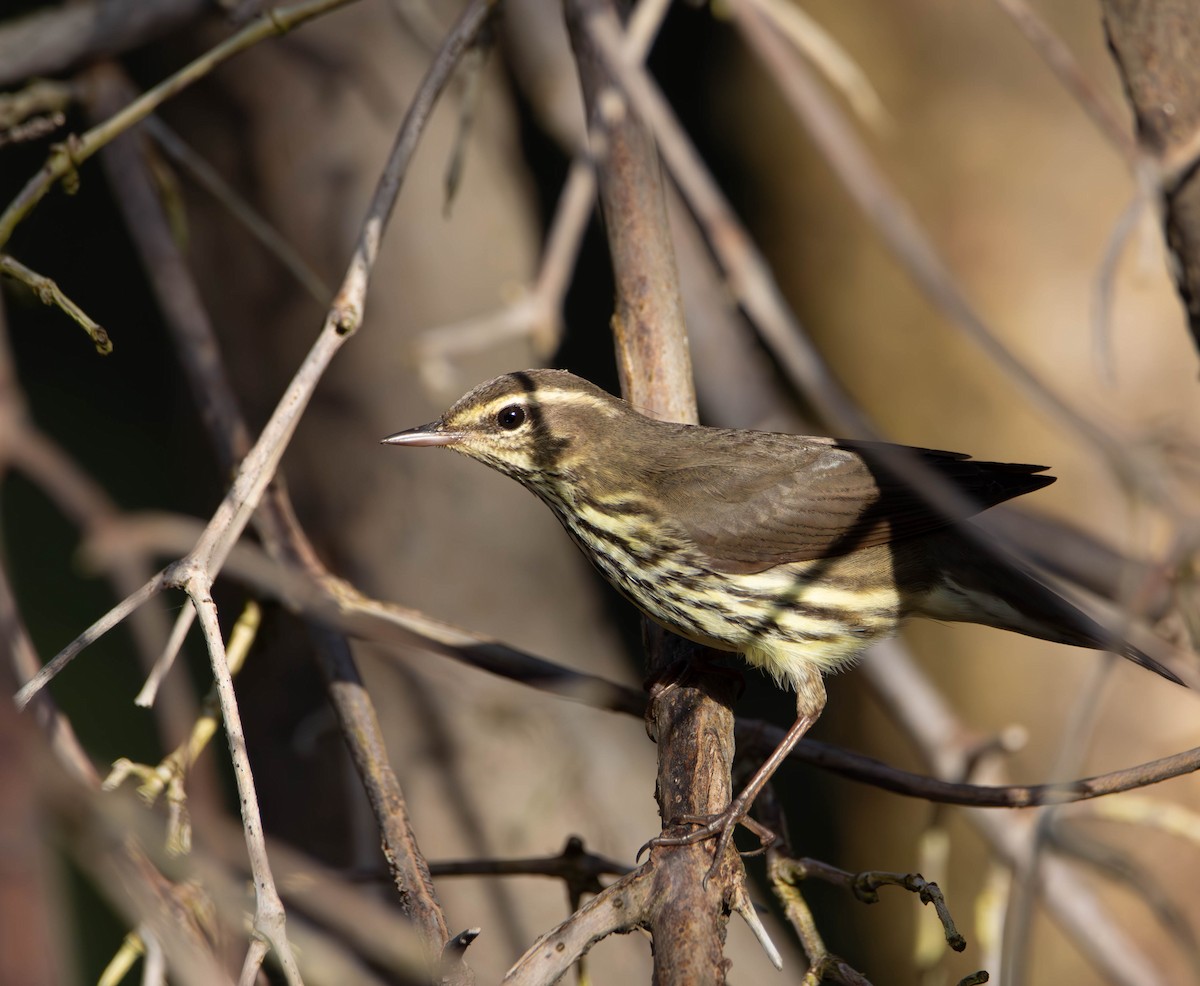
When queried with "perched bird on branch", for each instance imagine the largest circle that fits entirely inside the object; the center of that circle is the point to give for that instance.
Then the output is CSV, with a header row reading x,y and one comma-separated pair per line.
x,y
795,552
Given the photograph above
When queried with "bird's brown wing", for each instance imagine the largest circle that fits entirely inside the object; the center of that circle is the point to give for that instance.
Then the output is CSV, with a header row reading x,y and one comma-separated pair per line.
x,y
753,504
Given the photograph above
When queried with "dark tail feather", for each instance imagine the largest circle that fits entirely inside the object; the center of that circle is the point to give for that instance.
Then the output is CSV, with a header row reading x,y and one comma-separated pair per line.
x,y
1001,595
1146,661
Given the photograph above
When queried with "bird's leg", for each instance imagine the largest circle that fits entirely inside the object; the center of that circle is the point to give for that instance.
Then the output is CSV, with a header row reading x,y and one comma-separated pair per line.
x,y
810,702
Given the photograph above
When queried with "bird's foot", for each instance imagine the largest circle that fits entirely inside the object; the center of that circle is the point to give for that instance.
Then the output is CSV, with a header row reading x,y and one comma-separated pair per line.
x,y
721,826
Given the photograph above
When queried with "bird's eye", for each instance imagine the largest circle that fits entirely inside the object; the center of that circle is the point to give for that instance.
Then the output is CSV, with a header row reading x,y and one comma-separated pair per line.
x,y
511,418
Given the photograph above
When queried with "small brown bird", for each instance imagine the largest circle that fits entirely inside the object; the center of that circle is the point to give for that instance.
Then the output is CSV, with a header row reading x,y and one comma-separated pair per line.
x,y
796,552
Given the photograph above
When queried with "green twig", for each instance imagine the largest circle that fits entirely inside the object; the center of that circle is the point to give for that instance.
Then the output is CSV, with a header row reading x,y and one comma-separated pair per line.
x,y
49,293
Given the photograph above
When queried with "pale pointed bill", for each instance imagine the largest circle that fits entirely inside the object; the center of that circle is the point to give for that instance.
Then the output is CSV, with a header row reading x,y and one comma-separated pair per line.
x,y
423,435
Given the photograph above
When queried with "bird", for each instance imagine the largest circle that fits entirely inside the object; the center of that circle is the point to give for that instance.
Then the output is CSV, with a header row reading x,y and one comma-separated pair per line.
x,y
797,552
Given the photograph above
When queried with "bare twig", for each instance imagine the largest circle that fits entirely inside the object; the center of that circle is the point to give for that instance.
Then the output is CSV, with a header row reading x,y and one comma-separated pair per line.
x,y
865,887
930,723
269,918
49,293
89,636
824,965
537,313
341,606
576,866
830,58
618,909
211,181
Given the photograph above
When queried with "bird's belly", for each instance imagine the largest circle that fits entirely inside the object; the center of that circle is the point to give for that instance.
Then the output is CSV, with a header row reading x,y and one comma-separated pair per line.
x,y
784,620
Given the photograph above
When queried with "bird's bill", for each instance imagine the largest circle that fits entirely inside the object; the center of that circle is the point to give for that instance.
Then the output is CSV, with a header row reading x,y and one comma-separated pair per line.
x,y
424,435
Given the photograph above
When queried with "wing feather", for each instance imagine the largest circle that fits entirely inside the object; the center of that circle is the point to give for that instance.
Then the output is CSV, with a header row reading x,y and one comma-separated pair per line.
x,y
751,501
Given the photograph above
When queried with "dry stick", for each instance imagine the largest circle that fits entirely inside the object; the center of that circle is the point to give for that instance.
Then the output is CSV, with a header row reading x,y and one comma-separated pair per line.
x,y
867,770
829,58
270,922
341,607
618,909
67,156
89,636
574,865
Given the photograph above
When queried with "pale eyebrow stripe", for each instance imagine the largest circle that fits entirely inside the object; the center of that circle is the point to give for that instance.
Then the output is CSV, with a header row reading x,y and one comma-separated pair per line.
x,y
559,397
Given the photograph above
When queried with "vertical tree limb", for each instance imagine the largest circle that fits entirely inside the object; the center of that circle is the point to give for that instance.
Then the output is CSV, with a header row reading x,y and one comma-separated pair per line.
x,y
1157,50
692,723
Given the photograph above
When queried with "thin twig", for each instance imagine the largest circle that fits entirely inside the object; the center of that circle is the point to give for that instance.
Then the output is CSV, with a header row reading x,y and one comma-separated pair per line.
x,y
269,918
619,908
925,717
538,312
830,58
1060,60
49,293
339,605
207,177
89,636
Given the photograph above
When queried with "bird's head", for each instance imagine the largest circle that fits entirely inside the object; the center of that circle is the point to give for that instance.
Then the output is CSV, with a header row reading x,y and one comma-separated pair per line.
x,y
532,425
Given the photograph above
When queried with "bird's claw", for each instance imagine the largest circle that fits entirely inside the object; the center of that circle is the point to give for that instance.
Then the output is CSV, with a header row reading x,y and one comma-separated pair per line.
x,y
722,826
